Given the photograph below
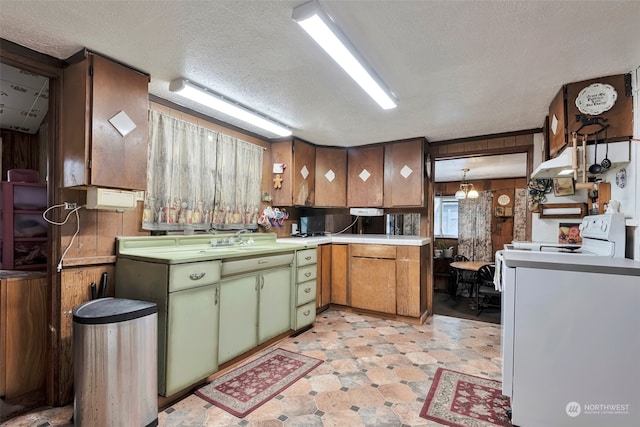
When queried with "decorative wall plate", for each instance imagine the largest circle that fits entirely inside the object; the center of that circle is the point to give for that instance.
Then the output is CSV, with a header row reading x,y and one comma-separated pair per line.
x,y
504,200
596,98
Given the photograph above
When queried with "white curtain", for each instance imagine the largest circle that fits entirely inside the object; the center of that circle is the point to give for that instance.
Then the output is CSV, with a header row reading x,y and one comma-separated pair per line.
x,y
474,227
193,172
238,181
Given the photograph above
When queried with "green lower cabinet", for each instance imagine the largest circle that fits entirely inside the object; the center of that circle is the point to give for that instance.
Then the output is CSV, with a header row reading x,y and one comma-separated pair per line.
x,y
275,304
193,328
238,317
253,309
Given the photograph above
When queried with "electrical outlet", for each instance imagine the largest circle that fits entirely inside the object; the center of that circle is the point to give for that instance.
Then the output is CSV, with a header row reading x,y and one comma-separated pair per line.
x,y
69,206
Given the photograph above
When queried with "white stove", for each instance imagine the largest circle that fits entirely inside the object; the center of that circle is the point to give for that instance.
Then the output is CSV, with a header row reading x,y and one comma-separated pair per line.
x,y
602,235
570,342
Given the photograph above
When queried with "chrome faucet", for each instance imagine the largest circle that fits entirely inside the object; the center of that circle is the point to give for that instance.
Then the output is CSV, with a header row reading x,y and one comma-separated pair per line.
x,y
237,238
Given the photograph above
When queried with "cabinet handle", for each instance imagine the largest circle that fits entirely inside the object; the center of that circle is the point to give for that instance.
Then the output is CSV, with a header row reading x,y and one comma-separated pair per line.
x,y
196,276
306,312
307,274
308,258
261,282
307,290
217,296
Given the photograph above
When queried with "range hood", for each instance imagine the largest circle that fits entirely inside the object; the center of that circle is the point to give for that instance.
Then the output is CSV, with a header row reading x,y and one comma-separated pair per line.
x,y
619,153
553,167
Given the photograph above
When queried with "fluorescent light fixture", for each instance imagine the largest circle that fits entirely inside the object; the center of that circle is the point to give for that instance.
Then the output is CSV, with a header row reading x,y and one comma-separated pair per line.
x,y
324,31
207,98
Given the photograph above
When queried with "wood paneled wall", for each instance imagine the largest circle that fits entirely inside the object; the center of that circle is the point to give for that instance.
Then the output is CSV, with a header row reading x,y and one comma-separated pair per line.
x,y
475,146
20,151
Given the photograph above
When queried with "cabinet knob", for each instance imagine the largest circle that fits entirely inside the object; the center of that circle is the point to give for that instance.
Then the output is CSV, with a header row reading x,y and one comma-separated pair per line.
x,y
307,290
306,312
307,274
196,276
308,258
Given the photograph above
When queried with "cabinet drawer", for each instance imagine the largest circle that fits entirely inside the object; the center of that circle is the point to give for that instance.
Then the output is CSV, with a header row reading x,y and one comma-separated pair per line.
x,y
193,275
305,315
306,257
373,251
247,265
306,292
307,273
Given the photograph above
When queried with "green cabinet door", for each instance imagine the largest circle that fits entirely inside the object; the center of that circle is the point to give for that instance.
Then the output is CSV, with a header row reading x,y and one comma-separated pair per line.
x,y
238,317
275,303
192,352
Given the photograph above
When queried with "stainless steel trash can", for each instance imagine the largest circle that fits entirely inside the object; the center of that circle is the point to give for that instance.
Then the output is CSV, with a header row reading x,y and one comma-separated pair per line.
x,y
115,345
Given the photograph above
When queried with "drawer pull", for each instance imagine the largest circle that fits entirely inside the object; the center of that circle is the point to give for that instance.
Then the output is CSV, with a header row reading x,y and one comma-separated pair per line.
x,y
307,274
196,276
263,261
306,312
308,258
307,290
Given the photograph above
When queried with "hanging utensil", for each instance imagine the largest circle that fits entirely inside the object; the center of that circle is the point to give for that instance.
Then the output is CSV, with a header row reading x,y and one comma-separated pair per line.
x,y
595,168
606,163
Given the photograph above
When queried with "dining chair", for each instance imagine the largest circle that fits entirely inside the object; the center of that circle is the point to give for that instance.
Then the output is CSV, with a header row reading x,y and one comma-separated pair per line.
x,y
486,293
464,279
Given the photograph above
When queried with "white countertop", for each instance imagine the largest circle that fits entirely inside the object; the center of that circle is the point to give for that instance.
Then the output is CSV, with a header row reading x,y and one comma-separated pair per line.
x,y
572,262
376,239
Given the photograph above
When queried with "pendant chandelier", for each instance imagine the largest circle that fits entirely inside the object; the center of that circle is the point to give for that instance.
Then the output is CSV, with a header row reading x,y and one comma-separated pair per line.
x,y
466,190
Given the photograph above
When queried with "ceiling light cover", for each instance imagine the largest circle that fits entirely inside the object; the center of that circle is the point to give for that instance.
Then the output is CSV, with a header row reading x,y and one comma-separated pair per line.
x,y
207,98
323,30
466,190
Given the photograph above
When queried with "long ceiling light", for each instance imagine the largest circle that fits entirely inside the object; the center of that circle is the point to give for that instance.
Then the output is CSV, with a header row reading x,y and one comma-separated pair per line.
x,y
217,102
325,32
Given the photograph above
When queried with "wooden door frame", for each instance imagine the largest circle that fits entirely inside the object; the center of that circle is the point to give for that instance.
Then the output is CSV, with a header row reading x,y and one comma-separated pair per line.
x,y
47,66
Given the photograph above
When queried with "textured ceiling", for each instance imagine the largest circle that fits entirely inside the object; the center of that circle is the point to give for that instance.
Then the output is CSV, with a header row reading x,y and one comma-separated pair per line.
x,y
458,68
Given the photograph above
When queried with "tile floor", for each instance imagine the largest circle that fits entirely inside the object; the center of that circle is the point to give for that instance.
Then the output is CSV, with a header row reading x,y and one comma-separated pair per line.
x,y
375,373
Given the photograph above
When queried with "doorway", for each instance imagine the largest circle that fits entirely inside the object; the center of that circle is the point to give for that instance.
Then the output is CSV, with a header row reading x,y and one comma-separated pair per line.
x,y
29,126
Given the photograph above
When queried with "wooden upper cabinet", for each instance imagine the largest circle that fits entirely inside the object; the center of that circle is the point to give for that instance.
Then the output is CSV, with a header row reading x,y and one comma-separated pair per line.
x,y
404,173
365,171
94,152
557,123
331,177
299,176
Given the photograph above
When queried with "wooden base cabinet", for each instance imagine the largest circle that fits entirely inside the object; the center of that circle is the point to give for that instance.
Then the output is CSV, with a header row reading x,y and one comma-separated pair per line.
x,y
23,333
323,288
372,277
339,274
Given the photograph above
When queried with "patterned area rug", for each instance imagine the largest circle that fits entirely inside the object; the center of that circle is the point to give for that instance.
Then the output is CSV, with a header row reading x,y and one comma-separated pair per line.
x,y
457,399
243,389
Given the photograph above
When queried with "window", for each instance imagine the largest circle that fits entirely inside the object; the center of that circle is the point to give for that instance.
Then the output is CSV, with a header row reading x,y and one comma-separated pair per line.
x,y
445,217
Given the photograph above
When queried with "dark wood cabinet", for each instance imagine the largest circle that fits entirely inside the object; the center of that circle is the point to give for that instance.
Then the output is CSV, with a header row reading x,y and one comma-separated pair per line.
x,y
404,174
24,230
23,333
297,186
365,176
102,100
331,177
441,273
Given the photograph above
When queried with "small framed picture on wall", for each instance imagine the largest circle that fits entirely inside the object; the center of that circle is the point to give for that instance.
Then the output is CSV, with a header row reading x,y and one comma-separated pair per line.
x,y
569,233
563,187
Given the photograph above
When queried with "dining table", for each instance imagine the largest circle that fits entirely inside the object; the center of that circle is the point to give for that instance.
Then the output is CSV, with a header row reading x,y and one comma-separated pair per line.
x,y
469,265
